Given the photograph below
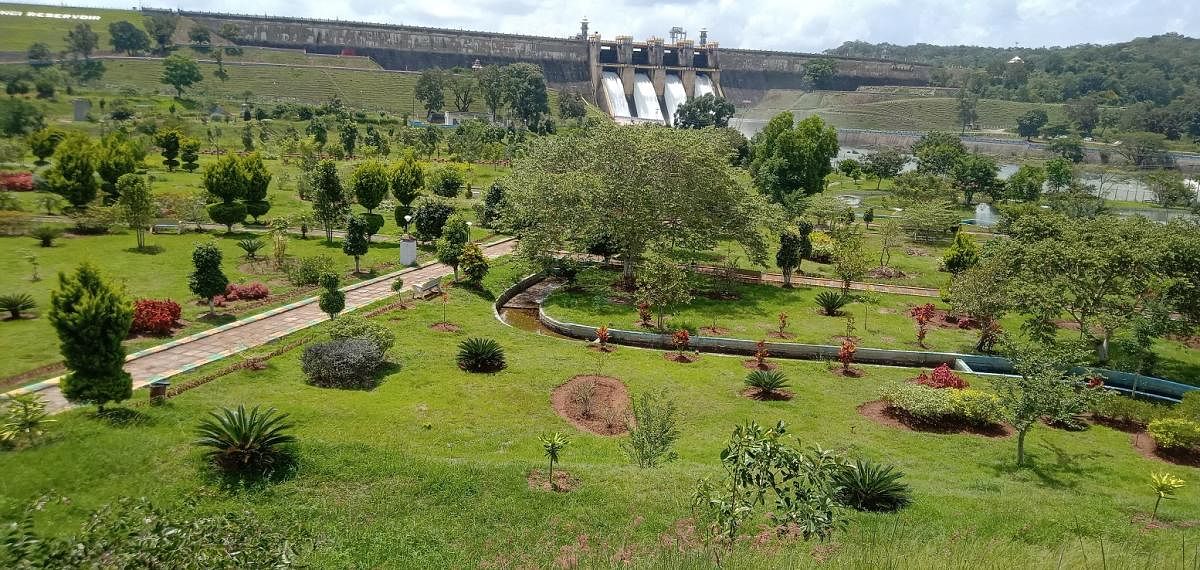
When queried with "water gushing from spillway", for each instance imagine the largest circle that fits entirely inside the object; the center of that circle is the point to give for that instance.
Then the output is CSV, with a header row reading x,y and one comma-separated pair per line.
x,y
704,86
673,96
646,99
615,91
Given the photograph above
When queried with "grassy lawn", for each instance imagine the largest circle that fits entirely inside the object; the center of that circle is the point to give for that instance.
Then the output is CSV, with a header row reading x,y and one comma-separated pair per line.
x,y
428,470
17,32
31,343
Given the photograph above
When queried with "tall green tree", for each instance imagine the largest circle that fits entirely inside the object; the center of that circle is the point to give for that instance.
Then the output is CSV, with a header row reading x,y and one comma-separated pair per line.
x,y
357,240
73,174
82,41
968,109
116,156
789,256
407,180
92,320
137,205
962,254
189,154
636,185
370,181
348,135
1059,174
1045,387
463,88
207,280
43,143
572,106
492,88
791,162
977,174
885,163
180,72
226,180
169,140
1031,122
455,235
938,152
330,203
526,93
128,38
161,27
430,90
707,110
662,283
1026,183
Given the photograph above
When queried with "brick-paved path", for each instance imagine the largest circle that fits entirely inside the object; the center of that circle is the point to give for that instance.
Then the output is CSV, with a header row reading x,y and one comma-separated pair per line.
x,y
257,330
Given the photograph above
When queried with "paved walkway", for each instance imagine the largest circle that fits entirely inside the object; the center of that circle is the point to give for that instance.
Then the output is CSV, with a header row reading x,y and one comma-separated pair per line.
x,y
179,356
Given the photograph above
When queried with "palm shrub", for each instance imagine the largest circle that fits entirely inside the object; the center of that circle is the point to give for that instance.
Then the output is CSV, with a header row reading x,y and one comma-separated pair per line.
x,y
552,445
652,431
480,355
24,417
251,246
767,382
46,235
831,302
348,363
868,486
16,303
242,441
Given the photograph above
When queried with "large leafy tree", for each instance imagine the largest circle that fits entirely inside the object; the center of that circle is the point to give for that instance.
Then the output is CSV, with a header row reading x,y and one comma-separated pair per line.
x,y
92,320
128,38
330,203
73,175
525,92
169,140
161,27
637,186
137,205
938,152
881,164
792,161
1026,183
430,90
180,72
407,180
1032,121
492,88
707,110
976,174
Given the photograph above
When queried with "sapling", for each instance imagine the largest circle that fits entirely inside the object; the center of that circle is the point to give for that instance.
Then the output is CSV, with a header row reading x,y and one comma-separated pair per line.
x,y
760,354
783,323
552,445
445,302
681,339
33,263
1164,485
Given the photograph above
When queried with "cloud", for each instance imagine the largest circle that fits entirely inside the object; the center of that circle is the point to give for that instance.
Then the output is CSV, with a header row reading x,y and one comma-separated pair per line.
x,y
812,25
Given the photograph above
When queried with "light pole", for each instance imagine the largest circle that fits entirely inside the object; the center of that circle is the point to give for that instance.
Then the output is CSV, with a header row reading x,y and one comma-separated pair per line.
x,y
469,224
407,220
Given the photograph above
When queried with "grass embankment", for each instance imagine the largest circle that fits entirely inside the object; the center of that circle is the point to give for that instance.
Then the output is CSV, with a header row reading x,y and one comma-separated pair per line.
x,y
429,469
18,32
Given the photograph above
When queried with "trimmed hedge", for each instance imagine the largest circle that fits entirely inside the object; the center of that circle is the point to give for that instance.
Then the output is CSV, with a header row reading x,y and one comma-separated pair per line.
x,y
342,363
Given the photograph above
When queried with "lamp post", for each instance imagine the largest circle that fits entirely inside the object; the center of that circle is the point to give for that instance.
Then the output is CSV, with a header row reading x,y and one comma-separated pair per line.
x,y
469,224
407,220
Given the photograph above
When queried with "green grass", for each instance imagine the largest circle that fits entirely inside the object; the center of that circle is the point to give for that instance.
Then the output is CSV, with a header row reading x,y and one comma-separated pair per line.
x,y
375,488
31,343
18,32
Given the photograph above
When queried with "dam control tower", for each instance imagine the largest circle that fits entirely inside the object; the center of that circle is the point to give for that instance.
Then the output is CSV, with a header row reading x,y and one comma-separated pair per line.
x,y
644,82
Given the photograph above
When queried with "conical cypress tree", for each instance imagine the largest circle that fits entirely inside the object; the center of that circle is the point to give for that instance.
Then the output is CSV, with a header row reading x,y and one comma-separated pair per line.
x,y
91,320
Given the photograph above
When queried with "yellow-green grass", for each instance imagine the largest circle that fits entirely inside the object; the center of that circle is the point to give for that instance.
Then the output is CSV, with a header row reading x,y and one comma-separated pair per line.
x,y
18,32
429,469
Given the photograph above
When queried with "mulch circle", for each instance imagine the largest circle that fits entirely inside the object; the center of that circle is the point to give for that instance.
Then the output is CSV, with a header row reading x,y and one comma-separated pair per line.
x,y
753,364
851,373
780,335
563,482
775,396
714,331
1148,448
682,358
445,327
880,412
887,273
606,349
610,403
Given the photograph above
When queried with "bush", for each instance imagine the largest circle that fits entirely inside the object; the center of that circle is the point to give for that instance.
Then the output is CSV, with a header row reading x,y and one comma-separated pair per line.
x,y
13,223
447,180
473,264
429,216
247,292
1175,433
355,326
307,271
976,407
244,441
96,219
1114,407
921,403
942,377
46,235
342,363
869,486
227,214
652,431
331,300
155,317
16,181
480,355
16,303
831,302
1189,406
767,382
822,247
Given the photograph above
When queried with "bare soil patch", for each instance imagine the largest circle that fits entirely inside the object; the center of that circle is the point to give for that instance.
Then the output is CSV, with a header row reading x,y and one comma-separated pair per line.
x,y
887,273
1188,341
915,252
852,372
1146,446
1145,522
606,349
682,358
713,331
445,327
598,404
774,396
780,335
563,482
752,364
947,320
1127,426
883,414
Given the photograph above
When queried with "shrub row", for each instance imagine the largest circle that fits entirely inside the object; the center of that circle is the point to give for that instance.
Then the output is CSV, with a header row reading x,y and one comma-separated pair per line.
x,y
935,406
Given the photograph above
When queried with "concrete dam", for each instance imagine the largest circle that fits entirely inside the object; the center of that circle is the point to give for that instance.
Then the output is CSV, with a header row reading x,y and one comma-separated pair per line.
x,y
638,81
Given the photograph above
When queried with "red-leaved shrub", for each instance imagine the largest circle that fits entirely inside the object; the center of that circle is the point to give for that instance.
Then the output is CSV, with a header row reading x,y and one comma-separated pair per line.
x,y
247,292
16,181
942,377
155,317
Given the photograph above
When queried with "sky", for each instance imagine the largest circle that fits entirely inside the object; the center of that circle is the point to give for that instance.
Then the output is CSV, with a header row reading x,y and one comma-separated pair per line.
x,y
789,25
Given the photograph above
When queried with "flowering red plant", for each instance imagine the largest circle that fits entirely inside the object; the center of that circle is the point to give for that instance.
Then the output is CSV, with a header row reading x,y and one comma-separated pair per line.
x,y
680,339
247,292
16,181
942,377
155,317
1095,382
760,354
645,316
846,353
923,314
602,337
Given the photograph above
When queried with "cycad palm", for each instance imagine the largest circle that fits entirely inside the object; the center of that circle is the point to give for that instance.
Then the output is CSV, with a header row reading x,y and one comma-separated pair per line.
x,y
244,440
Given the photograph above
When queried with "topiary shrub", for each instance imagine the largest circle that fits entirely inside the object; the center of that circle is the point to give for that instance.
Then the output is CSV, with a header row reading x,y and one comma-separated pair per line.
x,y
257,208
976,407
331,300
831,302
245,442
16,303
227,214
355,326
480,355
868,486
348,363
1175,433
155,317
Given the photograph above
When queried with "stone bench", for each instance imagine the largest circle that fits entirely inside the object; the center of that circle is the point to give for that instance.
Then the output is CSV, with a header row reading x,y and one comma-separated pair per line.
x,y
166,226
426,288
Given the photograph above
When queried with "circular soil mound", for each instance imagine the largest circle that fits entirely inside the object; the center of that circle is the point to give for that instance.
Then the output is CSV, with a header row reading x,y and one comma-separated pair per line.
x,y
607,405
776,396
851,373
685,358
714,331
753,364
881,413
444,327
1146,446
563,481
